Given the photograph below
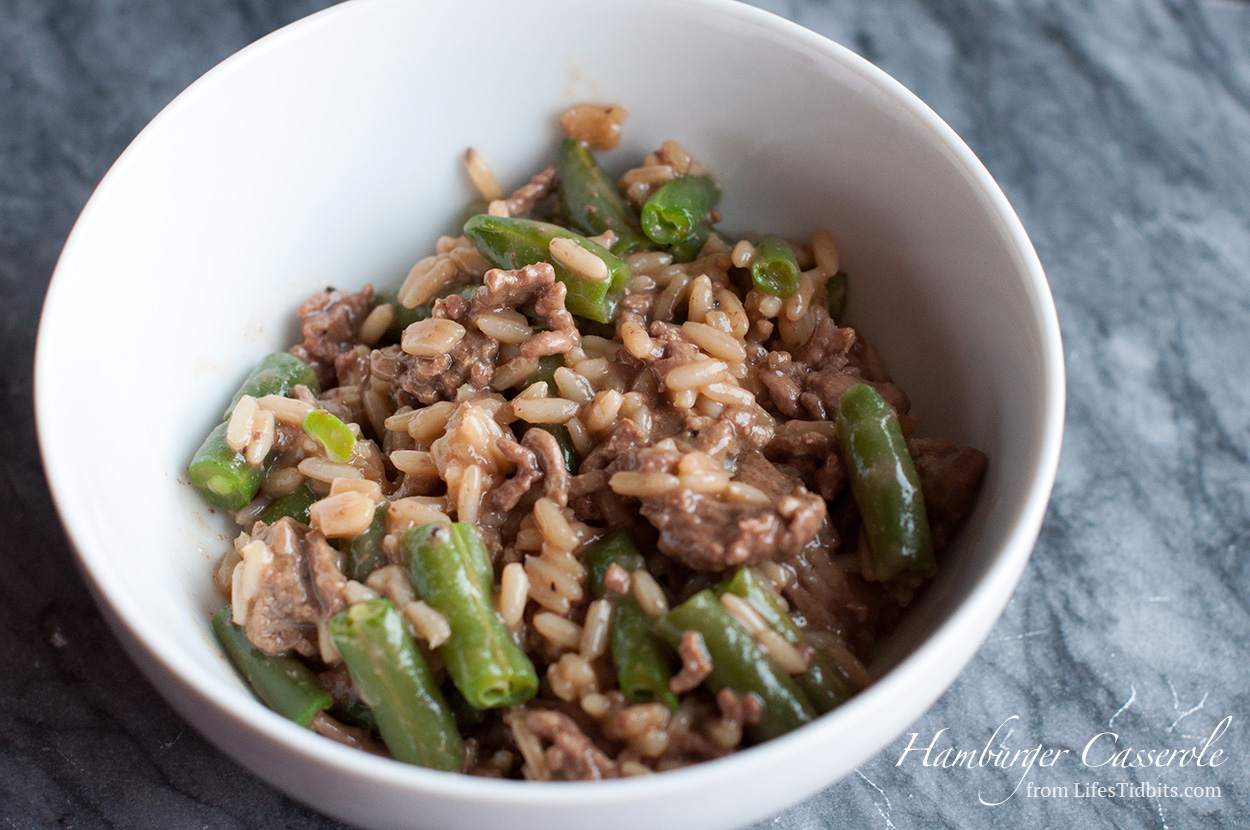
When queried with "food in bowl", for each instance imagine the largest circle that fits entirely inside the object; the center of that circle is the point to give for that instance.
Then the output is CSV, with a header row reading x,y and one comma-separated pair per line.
x,y
598,491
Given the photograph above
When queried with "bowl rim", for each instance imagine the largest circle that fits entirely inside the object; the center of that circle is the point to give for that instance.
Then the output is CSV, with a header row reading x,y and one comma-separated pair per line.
x,y
961,633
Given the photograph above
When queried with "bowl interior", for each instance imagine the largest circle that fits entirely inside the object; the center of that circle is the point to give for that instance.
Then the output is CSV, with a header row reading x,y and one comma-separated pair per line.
x,y
329,154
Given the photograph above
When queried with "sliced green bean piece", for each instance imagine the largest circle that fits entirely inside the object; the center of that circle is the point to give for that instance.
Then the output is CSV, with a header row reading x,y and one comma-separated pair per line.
x,y
825,683
617,548
358,714
885,485
331,433
515,243
677,209
294,504
547,365
466,714
363,554
222,475
740,664
394,681
276,374
835,294
282,682
688,249
642,667
591,202
775,269
451,570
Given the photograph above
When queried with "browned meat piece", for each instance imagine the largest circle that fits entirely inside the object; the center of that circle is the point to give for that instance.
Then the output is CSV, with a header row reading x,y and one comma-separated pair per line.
x,y
329,325
828,346
829,592
799,391
950,478
813,457
638,302
616,580
537,458
555,474
571,756
421,381
508,494
338,682
742,709
524,198
537,284
471,361
784,381
299,587
696,663
626,435
344,403
747,426
352,366
712,533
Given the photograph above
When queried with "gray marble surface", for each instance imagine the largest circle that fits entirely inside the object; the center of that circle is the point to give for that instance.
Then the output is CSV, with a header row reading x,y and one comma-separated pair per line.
x,y
1119,129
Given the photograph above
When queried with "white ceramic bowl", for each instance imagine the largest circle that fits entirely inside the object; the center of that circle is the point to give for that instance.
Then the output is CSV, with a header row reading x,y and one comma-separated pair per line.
x,y
330,153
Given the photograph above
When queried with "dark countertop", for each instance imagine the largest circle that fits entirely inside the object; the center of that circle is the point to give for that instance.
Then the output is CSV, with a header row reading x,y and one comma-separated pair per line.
x,y
1120,131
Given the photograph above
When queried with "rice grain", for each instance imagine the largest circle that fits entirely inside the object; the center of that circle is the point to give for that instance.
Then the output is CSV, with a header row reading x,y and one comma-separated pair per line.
x,y
715,342
239,429
428,624
343,515
320,469
514,587
642,484
544,410
649,594
578,260
481,176
558,630
431,337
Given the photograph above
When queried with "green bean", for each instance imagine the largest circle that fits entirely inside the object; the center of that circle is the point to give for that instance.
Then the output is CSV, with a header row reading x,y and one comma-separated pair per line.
x,y
276,374
363,554
642,668
547,365
591,202
282,682
740,664
335,436
678,209
451,570
294,504
835,294
617,548
688,249
222,475
394,681
885,485
572,458
775,270
515,243
466,714
357,714
825,683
